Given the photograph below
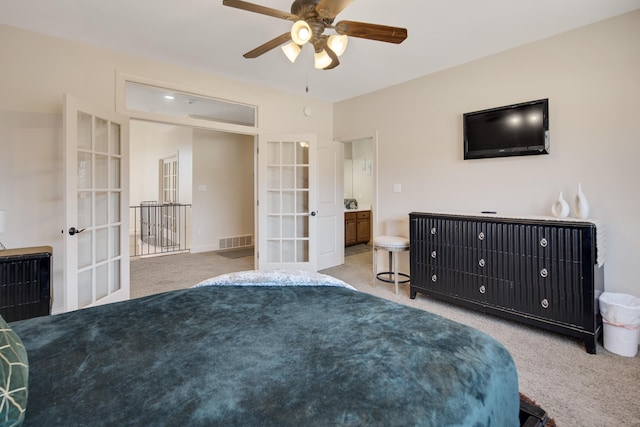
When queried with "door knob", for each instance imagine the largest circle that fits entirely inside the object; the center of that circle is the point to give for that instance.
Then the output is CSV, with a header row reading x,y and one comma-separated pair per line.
x,y
313,213
74,230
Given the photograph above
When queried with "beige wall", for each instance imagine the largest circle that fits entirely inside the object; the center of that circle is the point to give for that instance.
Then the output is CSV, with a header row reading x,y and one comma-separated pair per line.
x,y
148,143
590,76
37,70
592,79
223,164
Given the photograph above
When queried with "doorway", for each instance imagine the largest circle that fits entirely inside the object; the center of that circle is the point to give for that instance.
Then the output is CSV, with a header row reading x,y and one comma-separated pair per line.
x,y
213,174
360,187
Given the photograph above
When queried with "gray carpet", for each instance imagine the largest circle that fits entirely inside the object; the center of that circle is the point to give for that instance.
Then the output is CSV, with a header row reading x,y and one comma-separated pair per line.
x,y
357,249
575,388
237,253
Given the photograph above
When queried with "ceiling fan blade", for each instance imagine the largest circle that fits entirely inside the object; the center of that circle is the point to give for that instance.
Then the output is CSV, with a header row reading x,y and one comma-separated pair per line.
x,y
380,33
330,8
271,44
239,4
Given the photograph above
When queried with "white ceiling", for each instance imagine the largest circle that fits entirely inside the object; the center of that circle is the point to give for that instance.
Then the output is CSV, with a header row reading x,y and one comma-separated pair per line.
x,y
205,35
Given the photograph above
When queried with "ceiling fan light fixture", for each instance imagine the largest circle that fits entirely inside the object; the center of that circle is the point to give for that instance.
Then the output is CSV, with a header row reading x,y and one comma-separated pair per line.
x,y
300,32
322,59
337,43
291,50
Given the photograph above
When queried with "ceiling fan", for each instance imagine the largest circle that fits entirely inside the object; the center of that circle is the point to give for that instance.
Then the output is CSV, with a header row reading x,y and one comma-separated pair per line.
x,y
310,19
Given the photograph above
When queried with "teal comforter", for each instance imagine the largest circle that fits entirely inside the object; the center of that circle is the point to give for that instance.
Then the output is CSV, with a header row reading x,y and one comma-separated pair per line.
x,y
262,355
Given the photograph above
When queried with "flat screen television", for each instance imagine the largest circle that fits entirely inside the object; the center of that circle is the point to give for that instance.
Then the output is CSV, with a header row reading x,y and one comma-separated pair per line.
x,y
513,130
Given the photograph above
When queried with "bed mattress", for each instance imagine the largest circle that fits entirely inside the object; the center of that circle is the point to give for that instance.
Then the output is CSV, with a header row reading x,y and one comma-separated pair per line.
x,y
264,355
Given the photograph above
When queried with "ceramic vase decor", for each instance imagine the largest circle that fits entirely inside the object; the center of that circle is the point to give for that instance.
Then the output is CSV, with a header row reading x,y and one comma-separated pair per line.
x,y
581,205
560,208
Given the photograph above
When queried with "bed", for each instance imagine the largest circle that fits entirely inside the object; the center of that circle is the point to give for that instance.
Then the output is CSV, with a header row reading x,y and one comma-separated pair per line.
x,y
260,349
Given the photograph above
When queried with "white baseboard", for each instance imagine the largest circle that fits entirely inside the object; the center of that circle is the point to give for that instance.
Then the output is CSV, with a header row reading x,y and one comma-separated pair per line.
x,y
205,248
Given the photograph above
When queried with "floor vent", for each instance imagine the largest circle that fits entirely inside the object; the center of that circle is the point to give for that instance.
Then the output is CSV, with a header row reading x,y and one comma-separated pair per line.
x,y
236,241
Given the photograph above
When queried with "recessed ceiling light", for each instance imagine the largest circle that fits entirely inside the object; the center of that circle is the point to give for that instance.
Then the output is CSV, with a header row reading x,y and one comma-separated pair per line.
x,y
169,97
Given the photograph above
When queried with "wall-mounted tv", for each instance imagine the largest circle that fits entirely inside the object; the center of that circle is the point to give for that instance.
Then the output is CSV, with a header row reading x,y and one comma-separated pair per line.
x,y
513,130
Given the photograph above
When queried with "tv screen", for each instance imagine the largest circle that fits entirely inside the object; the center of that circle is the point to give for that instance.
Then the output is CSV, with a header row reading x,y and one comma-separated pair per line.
x,y
513,130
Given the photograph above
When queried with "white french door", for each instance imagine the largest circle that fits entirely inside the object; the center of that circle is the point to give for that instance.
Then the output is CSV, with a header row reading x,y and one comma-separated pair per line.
x,y
287,202
330,204
96,205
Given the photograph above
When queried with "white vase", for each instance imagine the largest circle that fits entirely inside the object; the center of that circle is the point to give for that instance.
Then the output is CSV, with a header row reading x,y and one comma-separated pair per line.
x,y
560,208
581,205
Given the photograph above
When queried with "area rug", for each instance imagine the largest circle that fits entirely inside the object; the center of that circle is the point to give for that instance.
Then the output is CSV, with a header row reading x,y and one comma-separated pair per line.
x,y
236,253
532,415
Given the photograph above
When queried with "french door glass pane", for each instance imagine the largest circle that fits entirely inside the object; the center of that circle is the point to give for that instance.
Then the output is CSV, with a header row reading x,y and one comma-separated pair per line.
x,y
288,177
302,177
302,250
288,153
102,281
115,242
273,227
102,171
288,202
273,177
302,226
288,226
102,207
273,202
114,278
85,210
114,173
85,171
102,244
273,251
85,288
288,250
302,202
114,206
85,249
102,137
302,153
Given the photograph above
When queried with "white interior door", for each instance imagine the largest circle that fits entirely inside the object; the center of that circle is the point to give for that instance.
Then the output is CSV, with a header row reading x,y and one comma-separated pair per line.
x,y
96,205
330,204
287,202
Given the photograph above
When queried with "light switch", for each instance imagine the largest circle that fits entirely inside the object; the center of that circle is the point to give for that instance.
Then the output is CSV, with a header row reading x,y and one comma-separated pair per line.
x,y
397,188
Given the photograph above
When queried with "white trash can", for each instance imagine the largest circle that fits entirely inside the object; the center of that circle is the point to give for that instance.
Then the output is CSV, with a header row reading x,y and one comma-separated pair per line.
x,y
621,320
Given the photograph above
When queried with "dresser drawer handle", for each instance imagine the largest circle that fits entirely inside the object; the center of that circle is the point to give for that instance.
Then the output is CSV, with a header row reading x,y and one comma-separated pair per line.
x,y
544,303
483,289
544,272
434,278
481,263
481,236
433,254
433,230
543,242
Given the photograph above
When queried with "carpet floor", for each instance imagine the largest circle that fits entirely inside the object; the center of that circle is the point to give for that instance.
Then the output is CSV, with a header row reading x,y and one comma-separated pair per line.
x,y
237,253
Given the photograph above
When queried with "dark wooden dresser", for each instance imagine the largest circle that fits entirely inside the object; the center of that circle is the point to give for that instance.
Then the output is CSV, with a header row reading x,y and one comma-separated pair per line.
x,y
25,283
542,272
